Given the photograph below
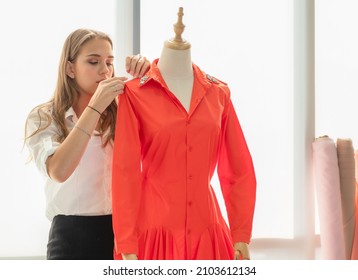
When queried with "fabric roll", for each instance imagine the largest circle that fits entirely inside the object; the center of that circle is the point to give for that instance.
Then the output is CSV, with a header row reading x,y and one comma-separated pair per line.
x,y
355,238
326,172
346,164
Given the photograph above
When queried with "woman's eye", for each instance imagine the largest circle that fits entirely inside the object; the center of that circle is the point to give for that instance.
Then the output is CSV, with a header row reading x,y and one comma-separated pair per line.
x,y
109,64
93,62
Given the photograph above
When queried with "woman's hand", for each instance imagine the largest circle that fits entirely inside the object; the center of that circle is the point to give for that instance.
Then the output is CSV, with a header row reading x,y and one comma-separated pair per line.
x,y
106,92
137,65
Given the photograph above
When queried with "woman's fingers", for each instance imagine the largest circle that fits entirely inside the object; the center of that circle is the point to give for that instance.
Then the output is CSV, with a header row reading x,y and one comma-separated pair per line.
x,y
115,84
137,65
107,91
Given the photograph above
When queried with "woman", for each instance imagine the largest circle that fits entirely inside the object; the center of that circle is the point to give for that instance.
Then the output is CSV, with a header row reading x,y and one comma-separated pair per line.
x,y
70,139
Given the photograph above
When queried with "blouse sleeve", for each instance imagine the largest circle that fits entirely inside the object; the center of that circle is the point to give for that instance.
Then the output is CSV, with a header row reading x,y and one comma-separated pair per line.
x,y
42,144
237,176
126,179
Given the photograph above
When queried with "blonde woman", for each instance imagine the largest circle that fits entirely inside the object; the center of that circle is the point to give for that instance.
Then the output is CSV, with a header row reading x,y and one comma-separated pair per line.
x,y
70,140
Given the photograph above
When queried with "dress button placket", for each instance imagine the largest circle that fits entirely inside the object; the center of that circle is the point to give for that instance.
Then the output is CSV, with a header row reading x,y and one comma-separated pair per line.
x,y
189,186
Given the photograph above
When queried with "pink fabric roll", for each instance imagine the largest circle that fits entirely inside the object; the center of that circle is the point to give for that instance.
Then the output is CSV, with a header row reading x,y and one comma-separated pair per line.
x,y
355,238
326,172
346,164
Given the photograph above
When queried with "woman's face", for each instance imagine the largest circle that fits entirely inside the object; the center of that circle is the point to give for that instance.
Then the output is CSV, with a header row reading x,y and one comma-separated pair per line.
x,y
94,63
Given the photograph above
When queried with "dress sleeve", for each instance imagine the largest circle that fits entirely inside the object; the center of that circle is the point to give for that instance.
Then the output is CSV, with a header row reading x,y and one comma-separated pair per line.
x,y
126,179
237,176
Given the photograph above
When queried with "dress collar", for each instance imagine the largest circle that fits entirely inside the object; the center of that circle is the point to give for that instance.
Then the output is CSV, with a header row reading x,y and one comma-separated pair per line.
x,y
154,74
71,115
202,82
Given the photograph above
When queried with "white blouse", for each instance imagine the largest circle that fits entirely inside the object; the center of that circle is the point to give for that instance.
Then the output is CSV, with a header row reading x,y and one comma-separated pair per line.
x,y
87,191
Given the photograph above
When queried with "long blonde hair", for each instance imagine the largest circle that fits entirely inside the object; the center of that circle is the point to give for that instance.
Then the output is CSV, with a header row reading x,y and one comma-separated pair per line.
x,y
65,91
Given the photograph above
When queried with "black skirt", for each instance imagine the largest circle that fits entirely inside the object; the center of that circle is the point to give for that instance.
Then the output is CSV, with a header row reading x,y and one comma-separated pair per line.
x,y
81,238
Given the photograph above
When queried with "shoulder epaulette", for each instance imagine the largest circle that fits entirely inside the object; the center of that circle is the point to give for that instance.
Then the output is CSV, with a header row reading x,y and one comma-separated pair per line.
x,y
143,80
212,79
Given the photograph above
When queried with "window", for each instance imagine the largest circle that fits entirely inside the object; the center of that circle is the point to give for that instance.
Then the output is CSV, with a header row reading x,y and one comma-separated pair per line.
x,y
336,69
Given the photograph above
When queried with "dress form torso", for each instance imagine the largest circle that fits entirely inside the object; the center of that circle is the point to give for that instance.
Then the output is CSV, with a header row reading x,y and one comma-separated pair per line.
x,y
175,64
177,72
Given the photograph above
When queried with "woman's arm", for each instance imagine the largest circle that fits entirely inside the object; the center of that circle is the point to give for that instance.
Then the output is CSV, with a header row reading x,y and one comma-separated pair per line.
x,y
64,161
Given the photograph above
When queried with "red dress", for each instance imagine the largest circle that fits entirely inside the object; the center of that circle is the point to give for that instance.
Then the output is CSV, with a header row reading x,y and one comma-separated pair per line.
x,y
164,157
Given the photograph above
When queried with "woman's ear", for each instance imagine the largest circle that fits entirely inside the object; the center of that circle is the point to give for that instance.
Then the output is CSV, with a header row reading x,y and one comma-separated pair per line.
x,y
69,70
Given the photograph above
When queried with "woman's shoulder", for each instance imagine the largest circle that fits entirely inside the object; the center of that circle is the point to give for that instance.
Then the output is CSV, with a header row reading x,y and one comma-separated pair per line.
x,y
41,111
39,117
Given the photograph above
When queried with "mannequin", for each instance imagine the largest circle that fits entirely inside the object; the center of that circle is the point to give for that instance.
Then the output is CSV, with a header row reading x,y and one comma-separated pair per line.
x,y
179,79
146,97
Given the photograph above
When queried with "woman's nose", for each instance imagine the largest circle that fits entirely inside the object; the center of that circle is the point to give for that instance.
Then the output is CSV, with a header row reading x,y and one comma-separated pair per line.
x,y
104,68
